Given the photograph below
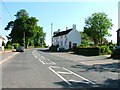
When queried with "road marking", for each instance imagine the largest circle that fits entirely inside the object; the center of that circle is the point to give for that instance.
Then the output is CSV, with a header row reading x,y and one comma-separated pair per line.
x,y
79,81
63,72
43,57
78,75
69,72
41,61
59,75
46,61
36,57
8,58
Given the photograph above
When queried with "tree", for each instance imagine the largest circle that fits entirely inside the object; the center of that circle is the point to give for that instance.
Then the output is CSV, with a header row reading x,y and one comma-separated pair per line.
x,y
23,28
85,38
98,26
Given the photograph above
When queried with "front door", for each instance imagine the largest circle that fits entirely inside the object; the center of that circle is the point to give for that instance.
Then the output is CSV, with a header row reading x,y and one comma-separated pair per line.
x,y
69,45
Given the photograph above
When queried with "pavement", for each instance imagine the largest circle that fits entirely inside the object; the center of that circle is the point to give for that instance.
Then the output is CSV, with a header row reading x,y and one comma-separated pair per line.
x,y
86,60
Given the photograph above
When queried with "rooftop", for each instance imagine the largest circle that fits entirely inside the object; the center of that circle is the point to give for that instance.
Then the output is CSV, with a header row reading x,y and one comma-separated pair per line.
x,y
62,33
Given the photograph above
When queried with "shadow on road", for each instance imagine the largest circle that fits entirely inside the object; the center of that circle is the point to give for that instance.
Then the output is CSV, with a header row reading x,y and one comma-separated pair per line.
x,y
109,84
113,67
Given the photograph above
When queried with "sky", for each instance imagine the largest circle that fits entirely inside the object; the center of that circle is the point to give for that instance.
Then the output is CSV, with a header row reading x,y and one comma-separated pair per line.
x,y
61,14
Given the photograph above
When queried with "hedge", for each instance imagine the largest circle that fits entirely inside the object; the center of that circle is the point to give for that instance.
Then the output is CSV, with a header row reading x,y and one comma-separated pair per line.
x,y
88,51
116,54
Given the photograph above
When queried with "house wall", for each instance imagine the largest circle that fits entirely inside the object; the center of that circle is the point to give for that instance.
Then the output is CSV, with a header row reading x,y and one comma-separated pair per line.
x,y
1,42
63,41
118,38
74,37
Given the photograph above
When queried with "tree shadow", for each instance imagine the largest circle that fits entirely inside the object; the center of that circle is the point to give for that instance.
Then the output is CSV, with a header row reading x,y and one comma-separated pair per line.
x,y
113,67
75,85
108,84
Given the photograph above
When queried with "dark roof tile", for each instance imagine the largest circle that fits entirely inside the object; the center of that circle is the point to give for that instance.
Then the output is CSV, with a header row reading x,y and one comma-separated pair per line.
x,y
63,33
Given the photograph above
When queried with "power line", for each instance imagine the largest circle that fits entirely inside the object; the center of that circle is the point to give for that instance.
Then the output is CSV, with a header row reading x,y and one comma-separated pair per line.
x,y
6,9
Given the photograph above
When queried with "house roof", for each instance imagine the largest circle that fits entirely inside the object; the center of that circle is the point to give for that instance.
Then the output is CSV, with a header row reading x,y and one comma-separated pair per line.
x,y
118,30
62,33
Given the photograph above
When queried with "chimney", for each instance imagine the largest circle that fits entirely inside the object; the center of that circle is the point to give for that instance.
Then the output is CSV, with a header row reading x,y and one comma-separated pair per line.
x,y
74,26
58,30
66,28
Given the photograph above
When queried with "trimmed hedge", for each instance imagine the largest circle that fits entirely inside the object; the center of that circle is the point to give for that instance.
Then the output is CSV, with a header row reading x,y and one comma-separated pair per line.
x,y
88,51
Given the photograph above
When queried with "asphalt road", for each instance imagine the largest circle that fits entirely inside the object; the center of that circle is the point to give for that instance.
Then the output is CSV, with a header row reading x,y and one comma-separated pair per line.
x,y
36,68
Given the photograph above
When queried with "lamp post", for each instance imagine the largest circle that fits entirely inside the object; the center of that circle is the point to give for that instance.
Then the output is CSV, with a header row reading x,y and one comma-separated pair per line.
x,y
51,32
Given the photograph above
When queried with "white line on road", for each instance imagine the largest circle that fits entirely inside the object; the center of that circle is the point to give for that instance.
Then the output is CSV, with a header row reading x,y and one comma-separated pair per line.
x,y
41,61
59,75
43,57
8,58
63,72
78,75
36,57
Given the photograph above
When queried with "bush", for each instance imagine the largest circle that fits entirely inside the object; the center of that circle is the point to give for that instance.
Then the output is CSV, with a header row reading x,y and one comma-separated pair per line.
x,y
88,51
8,47
15,45
116,53
94,49
53,48
105,50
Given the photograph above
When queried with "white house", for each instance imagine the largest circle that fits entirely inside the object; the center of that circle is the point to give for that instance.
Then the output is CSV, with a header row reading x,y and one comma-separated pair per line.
x,y
67,39
1,40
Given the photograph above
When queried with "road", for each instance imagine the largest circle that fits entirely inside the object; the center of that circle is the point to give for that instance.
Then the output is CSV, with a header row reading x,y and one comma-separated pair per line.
x,y
36,68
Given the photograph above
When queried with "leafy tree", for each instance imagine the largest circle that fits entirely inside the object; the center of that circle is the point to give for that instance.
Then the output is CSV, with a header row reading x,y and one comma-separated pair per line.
x,y
3,44
24,29
98,26
85,38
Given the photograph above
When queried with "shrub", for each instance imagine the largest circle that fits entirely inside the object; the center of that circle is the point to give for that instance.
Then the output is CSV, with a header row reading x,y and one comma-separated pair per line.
x,y
105,50
8,47
53,48
15,45
116,53
88,51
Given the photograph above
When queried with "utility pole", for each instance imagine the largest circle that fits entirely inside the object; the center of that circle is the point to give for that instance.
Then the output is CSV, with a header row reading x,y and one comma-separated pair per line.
x,y
51,32
24,38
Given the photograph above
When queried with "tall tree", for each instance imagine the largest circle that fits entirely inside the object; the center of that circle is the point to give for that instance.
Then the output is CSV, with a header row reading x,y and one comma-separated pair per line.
x,y
98,26
85,38
23,28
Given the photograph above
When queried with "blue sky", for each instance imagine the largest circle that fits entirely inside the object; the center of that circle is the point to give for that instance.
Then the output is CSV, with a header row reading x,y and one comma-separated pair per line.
x,y
61,14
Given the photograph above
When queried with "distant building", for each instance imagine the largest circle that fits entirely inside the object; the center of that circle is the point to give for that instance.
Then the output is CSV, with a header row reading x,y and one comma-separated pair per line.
x,y
1,40
67,39
118,37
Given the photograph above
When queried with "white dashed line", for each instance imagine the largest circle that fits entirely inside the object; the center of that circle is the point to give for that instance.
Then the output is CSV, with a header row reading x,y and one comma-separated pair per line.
x,y
45,61
43,57
41,61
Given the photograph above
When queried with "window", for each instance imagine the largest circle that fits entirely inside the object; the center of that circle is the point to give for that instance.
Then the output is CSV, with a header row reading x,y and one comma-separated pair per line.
x,y
61,43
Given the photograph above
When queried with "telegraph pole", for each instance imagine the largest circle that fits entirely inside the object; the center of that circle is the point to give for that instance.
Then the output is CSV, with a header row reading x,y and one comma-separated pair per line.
x,y
24,38
51,32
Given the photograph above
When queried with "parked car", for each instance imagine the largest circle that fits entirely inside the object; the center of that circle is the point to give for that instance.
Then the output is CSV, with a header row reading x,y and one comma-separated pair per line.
x,y
20,49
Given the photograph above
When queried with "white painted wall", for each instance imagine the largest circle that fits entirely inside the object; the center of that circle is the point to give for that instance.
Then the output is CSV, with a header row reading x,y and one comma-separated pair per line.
x,y
73,36
1,42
